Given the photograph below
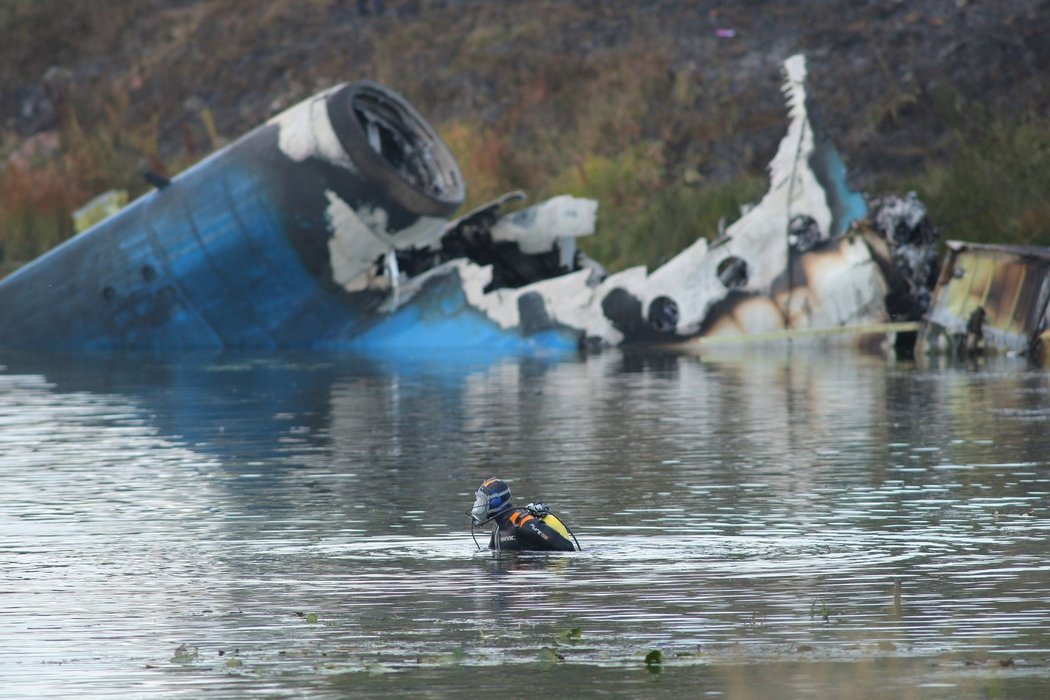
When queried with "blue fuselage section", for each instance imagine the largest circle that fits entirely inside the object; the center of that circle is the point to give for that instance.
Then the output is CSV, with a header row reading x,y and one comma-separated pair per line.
x,y
234,253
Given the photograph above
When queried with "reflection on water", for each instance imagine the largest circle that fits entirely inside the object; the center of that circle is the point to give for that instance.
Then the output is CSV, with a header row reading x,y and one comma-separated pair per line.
x,y
277,524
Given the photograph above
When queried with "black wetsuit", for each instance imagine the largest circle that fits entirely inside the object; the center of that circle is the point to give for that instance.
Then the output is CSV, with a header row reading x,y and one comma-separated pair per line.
x,y
520,529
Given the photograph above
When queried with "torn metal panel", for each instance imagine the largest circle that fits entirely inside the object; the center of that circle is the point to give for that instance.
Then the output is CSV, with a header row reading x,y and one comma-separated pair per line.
x,y
990,297
559,220
520,274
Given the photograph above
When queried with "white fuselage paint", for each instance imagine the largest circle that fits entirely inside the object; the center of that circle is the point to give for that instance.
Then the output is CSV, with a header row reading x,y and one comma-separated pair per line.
x,y
357,238
304,131
539,227
360,238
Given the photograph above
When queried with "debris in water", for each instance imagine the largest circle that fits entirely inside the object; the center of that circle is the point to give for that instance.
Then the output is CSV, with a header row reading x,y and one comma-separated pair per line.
x,y
571,634
185,654
549,655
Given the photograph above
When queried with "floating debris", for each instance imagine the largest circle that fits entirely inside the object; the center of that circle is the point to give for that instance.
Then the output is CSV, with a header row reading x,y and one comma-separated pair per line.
x,y
550,655
185,654
571,635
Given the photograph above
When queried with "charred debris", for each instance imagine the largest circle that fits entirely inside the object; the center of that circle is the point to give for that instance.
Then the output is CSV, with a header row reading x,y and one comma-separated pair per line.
x,y
329,227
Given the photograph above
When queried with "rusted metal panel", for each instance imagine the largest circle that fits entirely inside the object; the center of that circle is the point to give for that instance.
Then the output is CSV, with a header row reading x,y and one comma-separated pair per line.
x,y
990,297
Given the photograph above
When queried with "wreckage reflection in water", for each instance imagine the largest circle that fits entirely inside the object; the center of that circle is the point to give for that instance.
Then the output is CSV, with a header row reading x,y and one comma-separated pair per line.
x,y
171,526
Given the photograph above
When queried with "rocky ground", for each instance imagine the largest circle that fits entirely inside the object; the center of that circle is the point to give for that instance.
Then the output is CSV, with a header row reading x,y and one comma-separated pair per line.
x,y
524,87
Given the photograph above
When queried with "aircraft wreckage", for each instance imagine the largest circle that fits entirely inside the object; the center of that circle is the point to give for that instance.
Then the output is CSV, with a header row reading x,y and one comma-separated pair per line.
x,y
990,297
329,227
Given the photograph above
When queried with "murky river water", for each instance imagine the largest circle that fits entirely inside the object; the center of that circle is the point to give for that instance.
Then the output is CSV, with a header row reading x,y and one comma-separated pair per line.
x,y
779,525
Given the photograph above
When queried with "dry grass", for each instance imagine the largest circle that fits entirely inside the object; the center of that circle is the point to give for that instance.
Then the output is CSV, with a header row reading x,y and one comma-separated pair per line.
x,y
57,171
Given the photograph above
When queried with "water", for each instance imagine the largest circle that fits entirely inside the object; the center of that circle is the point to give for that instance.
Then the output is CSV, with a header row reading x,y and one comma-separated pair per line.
x,y
799,524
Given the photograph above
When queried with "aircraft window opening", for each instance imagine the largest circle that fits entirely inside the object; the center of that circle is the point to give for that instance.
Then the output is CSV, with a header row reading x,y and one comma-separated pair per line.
x,y
732,272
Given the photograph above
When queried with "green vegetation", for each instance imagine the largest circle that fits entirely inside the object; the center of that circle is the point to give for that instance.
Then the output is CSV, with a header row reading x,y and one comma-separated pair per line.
x,y
654,660
548,655
310,618
571,635
997,187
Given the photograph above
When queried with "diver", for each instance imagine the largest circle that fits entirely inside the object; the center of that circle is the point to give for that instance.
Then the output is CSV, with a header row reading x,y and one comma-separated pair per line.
x,y
532,528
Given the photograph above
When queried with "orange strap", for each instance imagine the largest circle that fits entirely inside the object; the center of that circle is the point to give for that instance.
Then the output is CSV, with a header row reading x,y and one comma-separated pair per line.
x,y
520,517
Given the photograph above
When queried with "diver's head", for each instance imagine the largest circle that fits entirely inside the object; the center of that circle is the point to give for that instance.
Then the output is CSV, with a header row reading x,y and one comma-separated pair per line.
x,y
491,499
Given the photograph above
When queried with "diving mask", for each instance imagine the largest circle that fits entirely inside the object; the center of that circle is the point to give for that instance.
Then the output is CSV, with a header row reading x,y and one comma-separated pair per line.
x,y
491,498
479,512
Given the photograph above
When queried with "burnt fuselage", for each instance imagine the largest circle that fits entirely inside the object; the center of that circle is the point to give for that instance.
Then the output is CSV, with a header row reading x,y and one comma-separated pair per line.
x,y
236,251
